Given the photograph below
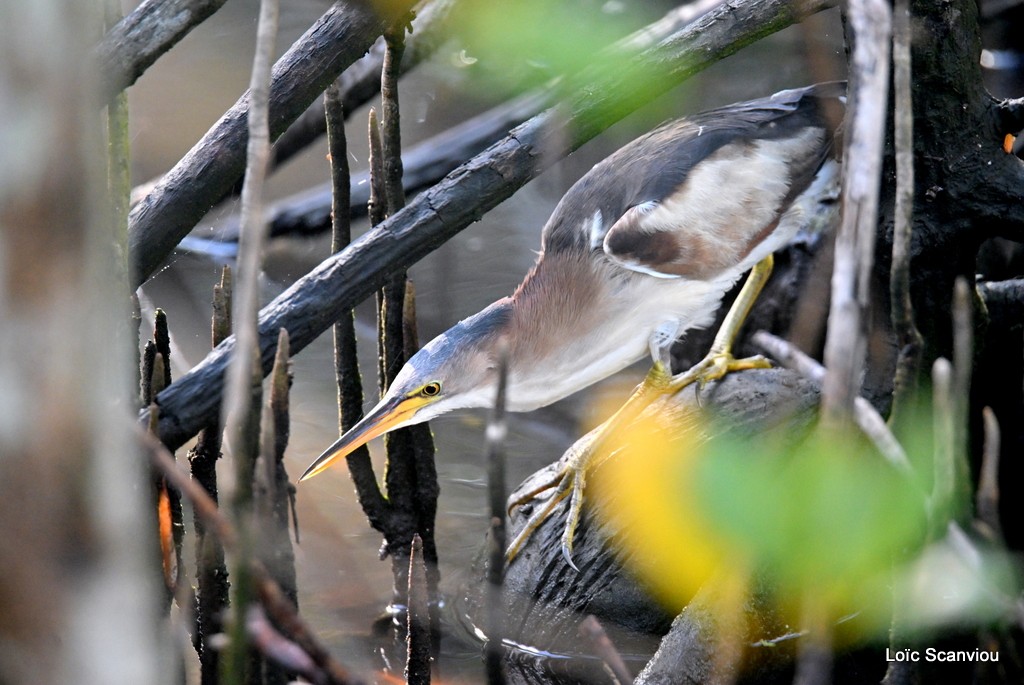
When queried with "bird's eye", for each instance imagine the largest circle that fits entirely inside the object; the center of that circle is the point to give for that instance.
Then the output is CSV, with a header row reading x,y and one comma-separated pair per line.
x,y
431,389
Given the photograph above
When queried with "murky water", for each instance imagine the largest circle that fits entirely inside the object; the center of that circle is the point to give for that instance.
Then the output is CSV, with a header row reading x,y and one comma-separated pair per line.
x,y
343,586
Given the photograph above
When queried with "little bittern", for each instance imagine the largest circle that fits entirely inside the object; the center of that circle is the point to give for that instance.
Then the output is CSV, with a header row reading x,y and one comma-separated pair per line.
x,y
640,250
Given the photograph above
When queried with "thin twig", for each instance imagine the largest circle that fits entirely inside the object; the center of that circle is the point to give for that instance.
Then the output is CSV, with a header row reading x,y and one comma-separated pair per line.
x,y
497,430
591,629
943,421
162,340
238,398
418,637
146,393
988,481
240,411
220,325
346,362
424,466
494,651
376,205
391,136
275,491
211,570
864,414
846,344
341,176
907,335
281,380
963,368
270,594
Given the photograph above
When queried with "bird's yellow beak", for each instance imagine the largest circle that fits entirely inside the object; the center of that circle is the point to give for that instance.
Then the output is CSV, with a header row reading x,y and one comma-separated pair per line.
x,y
390,414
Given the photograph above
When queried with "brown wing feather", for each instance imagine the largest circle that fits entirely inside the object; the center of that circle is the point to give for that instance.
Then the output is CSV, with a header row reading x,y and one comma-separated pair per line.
x,y
695,196
721,211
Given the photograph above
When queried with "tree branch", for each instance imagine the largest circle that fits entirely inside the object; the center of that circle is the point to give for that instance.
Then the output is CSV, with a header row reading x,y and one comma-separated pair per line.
x,y
241,412
846,345
1010,115
361,81
865,415
133,44
907,336
308,212
159,222
314,302
356,85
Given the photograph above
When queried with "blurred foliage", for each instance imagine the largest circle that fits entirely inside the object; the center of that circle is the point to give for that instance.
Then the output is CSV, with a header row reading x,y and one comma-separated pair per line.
x,y
518,45
953,582
825,520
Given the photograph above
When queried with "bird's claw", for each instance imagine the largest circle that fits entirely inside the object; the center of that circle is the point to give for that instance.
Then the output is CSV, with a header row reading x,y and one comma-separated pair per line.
x,y
533,494
716,366
567,555
561,482
570,481
720,364
572,519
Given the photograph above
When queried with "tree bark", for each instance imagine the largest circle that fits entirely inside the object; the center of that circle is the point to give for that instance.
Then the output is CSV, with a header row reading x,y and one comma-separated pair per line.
x,y
166,215
137,41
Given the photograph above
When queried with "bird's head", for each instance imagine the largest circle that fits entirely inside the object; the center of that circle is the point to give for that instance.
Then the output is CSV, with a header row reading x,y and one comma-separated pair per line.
x,y
455,370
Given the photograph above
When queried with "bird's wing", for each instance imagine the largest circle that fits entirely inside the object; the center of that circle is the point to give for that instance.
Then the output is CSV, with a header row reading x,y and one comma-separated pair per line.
x,y
693,198
724,208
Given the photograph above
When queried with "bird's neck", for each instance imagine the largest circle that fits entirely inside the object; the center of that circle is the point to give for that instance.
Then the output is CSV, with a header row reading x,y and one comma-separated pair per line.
x,y
551,315
559,294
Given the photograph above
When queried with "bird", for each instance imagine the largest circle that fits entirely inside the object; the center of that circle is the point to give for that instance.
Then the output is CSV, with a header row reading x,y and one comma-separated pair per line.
x,y
640,250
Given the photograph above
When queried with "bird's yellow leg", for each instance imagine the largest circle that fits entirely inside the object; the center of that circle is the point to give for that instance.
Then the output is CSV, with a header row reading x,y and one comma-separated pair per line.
x,y
719,360
656,383
563,479
571,478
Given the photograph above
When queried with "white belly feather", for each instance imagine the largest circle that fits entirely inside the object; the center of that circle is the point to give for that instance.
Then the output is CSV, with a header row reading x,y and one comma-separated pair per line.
x,y
610,340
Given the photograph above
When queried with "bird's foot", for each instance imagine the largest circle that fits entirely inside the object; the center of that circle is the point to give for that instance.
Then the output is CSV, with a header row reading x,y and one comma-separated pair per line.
x,y
723,363
571,478
570,481
714,367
